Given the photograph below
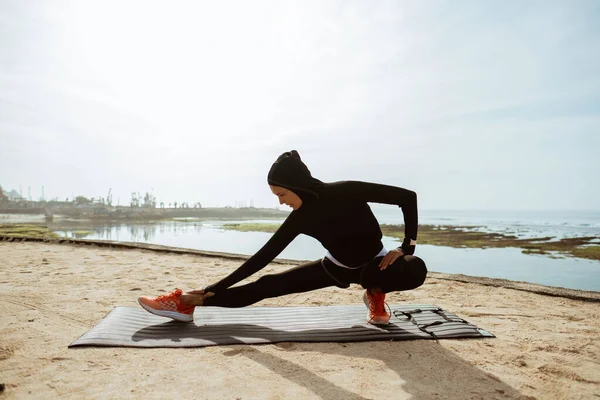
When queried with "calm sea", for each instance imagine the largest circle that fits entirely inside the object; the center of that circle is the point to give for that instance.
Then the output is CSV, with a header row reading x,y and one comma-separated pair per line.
x,y
507,263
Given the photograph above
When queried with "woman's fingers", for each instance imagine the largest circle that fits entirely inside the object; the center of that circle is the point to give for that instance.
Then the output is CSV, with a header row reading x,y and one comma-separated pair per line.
x,y
201,291
389,259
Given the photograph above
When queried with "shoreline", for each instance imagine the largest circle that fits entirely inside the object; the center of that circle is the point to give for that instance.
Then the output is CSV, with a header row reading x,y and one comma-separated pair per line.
x,y
555,291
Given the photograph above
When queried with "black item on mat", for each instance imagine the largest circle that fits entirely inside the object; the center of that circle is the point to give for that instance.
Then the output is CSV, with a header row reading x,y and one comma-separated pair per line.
x,y
135,327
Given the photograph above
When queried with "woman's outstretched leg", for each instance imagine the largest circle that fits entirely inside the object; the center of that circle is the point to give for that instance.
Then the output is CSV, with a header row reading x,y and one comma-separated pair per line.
x,y
303,278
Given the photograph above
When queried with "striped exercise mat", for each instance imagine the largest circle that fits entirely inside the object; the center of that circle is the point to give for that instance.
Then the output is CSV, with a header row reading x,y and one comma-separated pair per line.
x,y
135,327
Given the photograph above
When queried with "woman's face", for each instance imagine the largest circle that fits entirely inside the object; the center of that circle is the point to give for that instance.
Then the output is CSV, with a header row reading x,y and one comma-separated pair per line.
x,y
287,197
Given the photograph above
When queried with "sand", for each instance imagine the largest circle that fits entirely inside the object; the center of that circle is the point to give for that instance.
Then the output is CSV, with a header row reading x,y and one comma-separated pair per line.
x,y
547,347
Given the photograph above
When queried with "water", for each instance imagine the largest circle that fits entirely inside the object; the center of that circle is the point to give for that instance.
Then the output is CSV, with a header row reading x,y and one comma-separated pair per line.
x,y
512,264
509,263
524,224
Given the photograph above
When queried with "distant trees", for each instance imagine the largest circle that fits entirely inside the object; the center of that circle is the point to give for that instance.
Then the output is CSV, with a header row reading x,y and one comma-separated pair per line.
x,y
183,204
134,200
3,197
82,200
148,200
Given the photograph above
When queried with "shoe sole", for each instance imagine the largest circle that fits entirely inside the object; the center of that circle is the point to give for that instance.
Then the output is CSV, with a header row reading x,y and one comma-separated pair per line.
x,y
369,320
169,314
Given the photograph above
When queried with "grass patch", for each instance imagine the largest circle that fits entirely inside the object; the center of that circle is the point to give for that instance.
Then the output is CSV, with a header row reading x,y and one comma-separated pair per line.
x,y
27,230
269,228
450,236
591,252
466,237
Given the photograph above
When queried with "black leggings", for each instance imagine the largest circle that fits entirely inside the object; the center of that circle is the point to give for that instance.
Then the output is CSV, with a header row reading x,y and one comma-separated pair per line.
x,y
408,272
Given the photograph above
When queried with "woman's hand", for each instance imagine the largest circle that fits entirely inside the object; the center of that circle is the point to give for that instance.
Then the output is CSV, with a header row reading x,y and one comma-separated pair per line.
x,y
390,258
195,297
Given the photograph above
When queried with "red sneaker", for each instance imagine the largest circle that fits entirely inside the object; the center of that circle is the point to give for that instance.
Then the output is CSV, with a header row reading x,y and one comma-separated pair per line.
x,y
376,304
168,305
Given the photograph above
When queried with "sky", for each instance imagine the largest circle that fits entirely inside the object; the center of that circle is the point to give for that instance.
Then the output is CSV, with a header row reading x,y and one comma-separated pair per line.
x,y
474,105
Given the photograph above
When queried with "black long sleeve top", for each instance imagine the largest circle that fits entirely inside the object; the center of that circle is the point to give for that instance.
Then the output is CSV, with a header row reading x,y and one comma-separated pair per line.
x,y
341,220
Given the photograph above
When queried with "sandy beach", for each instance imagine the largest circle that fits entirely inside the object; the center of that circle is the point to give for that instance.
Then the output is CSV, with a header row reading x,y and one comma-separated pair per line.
x,y
547,346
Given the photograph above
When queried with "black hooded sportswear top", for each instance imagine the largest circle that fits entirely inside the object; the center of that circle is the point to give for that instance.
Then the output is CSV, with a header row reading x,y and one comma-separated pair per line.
x,y
336,214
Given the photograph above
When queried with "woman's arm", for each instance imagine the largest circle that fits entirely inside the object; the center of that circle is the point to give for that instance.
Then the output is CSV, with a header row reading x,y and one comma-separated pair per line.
x,y
278,242
403,198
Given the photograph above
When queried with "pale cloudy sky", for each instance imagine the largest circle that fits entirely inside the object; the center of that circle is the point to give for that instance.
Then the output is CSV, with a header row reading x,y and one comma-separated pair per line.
x,y
473,104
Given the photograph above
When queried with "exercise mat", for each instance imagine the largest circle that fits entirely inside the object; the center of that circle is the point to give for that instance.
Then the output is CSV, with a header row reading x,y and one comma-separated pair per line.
x,y
135,327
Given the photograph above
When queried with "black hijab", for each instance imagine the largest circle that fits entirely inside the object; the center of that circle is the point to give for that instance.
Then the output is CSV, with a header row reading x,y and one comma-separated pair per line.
x,y
289,172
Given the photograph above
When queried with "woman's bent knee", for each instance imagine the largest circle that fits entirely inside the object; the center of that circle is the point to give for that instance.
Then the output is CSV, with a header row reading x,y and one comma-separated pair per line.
x,y
408,272
418,270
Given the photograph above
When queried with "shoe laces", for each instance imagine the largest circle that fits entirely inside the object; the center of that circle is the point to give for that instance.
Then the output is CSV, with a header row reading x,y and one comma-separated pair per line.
x,y
170,296
377,304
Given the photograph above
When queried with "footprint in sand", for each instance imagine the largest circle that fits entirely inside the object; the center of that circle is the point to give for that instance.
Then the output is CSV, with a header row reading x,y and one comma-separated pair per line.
x,y
286,345
235,352
6,353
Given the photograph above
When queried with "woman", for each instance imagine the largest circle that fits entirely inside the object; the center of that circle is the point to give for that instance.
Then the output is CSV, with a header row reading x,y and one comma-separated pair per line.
x,y
338,216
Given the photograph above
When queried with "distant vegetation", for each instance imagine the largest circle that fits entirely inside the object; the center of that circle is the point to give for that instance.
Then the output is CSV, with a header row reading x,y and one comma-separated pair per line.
x,y
27,230
251,227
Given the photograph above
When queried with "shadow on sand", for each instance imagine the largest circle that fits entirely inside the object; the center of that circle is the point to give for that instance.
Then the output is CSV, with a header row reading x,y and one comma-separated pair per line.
x,y
426,368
